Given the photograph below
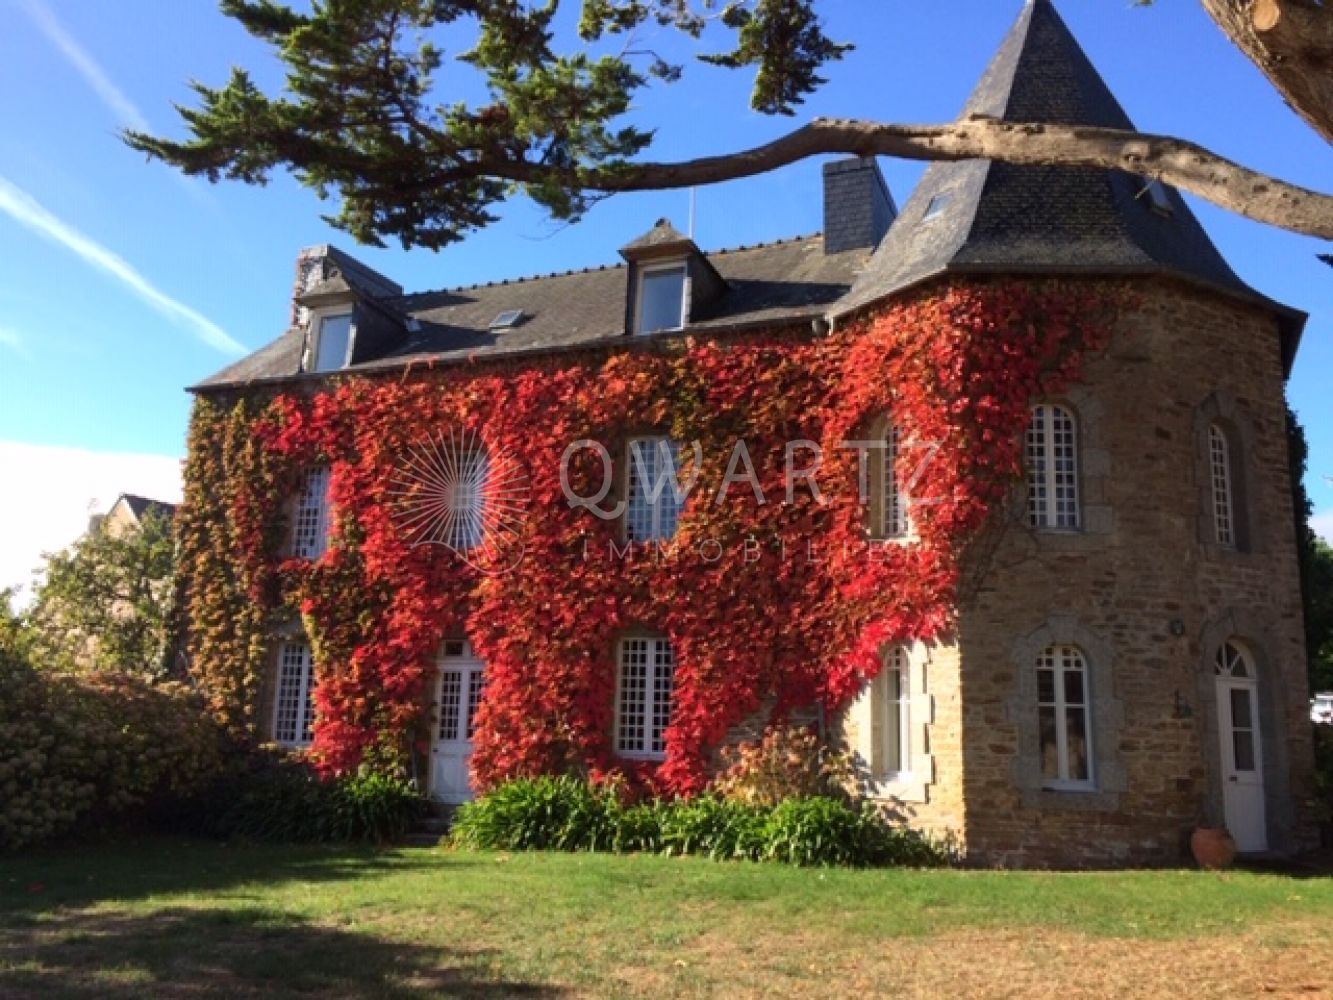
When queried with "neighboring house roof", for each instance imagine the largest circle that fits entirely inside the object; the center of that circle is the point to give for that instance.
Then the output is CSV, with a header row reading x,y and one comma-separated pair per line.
x,y
986,218
786,281
999,218
140,507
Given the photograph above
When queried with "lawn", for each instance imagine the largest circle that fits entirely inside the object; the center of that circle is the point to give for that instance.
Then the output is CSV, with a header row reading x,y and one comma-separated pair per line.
x,y
174,918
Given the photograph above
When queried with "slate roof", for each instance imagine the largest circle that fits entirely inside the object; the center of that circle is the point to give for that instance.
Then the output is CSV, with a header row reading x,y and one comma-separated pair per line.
x,y
787,281
990,218
1000,218
141,506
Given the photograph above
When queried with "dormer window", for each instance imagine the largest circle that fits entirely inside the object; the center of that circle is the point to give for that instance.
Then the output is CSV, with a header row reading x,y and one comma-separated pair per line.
x,y
661,298
333,342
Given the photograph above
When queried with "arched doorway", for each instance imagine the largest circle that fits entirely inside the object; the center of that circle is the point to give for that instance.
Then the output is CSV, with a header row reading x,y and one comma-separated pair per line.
x,y
1241,745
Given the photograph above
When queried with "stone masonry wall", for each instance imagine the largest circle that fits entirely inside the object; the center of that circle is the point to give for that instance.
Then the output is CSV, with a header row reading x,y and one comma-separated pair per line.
x,y
1148,599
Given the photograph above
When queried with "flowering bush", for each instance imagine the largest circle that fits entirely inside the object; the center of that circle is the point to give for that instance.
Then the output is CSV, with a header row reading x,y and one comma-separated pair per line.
x,y
789,762
796,615
81,749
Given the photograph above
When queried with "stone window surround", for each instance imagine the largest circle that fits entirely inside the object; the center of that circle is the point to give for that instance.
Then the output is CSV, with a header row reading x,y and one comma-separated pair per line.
x,y
1105,710
913,784
1222,408
1243,626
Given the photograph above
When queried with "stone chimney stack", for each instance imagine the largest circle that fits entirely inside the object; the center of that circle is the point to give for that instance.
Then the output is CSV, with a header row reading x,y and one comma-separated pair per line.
x,y
858,207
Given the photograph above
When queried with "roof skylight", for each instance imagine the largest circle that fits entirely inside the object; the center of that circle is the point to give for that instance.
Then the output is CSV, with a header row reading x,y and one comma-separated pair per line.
x,y
507,319
937,206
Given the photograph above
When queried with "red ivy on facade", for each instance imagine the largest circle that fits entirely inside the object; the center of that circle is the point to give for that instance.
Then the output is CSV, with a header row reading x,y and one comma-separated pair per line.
x,y
769,607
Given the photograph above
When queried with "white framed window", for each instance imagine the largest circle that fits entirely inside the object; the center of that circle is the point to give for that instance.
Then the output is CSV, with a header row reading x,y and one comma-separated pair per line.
x,y
333,342
654,497
1219,469
893,515
660,302
1063,719
646,680
310,519
465,510
1052,468
893,700
294,703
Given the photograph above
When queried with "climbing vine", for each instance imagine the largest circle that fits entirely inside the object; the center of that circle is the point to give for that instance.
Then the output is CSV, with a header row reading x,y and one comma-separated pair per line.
x,y
769,606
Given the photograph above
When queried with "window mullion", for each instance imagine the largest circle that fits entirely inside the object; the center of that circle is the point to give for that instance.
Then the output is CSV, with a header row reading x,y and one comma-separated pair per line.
x,y
1061,730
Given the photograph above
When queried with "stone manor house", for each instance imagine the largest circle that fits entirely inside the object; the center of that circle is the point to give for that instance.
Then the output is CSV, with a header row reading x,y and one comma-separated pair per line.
x,y
1133,667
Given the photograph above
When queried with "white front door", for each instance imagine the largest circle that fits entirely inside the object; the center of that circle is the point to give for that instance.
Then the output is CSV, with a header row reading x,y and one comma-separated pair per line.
x,y
457,696
1242,758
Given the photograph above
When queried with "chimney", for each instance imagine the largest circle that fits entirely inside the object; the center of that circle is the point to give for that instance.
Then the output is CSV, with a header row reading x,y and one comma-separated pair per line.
x,y
858,208
318,264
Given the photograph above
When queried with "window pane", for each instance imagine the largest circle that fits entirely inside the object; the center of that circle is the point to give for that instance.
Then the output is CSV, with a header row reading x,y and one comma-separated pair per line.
x,y
663,684
476,686
633,695
1050,755
1240,709
654,507
1046,687
1220,469
451,703
662,299
1076,735
334,334
295,710
1073,687
310,526
1242,743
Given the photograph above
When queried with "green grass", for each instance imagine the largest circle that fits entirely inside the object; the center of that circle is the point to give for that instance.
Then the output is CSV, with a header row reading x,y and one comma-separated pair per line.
x,y
174,917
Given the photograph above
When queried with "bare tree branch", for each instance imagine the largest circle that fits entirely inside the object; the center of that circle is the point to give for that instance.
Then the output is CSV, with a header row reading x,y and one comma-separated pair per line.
x,y
1183,164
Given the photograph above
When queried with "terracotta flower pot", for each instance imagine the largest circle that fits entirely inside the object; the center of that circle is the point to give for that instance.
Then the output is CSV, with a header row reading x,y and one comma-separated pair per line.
x,y
1213,847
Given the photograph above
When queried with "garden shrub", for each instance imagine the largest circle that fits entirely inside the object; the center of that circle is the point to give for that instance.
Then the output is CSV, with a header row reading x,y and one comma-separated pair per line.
x,y
789,762
568,814
281,799
1323,781
83,750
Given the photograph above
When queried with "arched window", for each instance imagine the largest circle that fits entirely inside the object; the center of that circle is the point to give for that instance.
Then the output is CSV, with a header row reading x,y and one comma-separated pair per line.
x,y
1052,468
1223,490
894,522
646,682
1233,661
893,701
1063,718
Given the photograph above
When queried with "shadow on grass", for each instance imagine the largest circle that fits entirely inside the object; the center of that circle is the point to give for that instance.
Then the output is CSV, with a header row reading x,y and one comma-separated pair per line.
x,y
133,869
248,952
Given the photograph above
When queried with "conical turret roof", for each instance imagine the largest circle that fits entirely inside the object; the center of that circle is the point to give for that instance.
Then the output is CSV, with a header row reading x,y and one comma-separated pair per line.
x,y
979,216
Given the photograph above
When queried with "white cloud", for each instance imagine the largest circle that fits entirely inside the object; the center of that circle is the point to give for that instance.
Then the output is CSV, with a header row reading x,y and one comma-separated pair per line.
x,y
50,492
110,95
26,210
13,340
1322,524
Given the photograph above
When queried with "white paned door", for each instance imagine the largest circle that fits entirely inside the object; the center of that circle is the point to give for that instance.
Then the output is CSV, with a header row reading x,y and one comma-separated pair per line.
x,y
1242,764
458,693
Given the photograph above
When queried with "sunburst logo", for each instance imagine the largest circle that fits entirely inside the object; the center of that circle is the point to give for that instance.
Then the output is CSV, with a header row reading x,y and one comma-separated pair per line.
x,y
453,490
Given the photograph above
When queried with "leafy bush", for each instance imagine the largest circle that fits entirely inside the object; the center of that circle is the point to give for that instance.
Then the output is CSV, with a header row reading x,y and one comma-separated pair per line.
x,y
790,762
265,797
77,751
572,815
1323,781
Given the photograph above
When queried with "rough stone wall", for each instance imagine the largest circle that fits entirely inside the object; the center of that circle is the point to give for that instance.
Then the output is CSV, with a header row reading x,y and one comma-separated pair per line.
x,y
1148,599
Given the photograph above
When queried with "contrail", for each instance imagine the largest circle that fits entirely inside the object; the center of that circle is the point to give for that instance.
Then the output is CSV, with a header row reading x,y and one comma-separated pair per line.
x,y
24,209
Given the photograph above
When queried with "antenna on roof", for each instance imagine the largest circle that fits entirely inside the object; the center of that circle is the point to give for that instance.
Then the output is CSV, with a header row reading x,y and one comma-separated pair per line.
x,y
692,193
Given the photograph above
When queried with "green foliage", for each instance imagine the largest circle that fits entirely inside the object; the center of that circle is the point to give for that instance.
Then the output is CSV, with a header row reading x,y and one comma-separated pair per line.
x,y
567,814
77,751
107,603
15,637
1315,557
368,113
1323,779
269,798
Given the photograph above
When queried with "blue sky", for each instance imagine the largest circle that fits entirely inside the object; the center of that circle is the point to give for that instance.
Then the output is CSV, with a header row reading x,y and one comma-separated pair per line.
x,y
123,282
